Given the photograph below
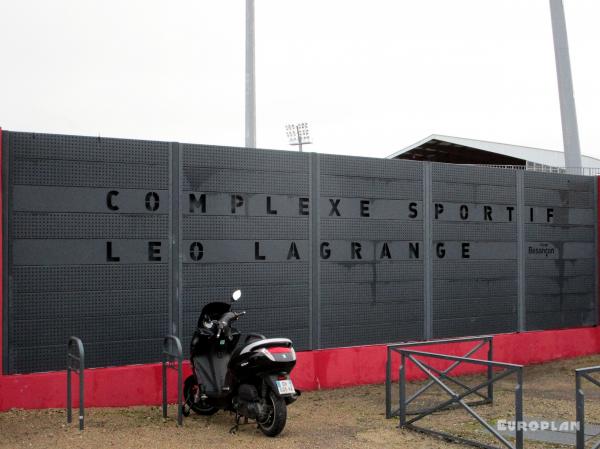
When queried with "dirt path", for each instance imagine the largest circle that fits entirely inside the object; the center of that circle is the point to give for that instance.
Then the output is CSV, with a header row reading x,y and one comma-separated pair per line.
x,y
344,418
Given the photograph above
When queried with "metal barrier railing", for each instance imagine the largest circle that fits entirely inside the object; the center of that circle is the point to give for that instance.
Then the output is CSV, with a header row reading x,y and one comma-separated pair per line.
x,y
541,168
79,360
456,399
485,399
580,374
168,360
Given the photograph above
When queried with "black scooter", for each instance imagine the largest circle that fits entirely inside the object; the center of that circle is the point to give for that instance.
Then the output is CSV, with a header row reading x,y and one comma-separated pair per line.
x,y
250,379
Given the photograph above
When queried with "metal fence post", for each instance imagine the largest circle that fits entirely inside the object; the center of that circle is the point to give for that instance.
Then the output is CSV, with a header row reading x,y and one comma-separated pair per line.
x,y
580,375
519,410
164,385
176,355
388,384
180,392
490,370
402,382
80,359
69,405
580,412
442,378
81,387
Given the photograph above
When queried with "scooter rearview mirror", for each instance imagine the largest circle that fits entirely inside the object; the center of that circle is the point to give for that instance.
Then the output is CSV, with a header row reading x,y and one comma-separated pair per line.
x,y
236,295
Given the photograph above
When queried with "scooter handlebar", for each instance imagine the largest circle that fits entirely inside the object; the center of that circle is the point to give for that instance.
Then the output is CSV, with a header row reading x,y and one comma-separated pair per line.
x,y
230,316
223,323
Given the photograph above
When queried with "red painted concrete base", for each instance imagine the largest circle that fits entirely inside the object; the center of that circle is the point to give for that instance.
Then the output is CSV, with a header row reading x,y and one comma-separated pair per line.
x,y
330,368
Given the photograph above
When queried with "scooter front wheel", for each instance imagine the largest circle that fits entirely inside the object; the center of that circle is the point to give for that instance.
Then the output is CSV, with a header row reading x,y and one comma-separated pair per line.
x,y
190,387
275,420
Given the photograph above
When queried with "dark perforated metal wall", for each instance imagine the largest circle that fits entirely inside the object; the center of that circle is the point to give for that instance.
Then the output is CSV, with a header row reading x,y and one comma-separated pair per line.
x,y
121,242
371,284
250,216
560,263
477,294
57,228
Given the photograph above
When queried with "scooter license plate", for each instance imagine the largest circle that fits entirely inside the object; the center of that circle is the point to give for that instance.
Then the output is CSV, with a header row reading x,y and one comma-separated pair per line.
x,y
285,387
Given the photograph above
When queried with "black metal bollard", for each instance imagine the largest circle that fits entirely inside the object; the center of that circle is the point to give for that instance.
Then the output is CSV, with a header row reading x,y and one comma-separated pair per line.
x,y
167,356
79,359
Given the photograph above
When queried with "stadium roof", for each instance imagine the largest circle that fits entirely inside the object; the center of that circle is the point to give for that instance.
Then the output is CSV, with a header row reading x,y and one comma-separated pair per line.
x,y
458,150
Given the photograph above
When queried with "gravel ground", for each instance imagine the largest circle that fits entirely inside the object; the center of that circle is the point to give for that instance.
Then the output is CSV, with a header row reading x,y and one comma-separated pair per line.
x,y
343,418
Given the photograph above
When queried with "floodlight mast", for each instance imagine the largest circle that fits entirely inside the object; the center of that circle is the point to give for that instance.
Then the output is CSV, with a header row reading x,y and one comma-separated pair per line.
x,y
568,113
298,134
250,130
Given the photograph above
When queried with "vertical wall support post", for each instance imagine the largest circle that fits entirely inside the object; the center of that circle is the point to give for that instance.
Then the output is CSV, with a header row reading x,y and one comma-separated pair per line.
x,y
427,253
171,326
597,252
315,251
177,249
4,255
521,253
175,220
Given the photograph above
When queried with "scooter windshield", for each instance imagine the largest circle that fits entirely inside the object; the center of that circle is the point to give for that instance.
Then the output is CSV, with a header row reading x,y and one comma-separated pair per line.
x,y
213,311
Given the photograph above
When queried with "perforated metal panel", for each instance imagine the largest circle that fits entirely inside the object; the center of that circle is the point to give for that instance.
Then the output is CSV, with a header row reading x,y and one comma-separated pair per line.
x,y
374,296
248,208
476,294
560,264
67,198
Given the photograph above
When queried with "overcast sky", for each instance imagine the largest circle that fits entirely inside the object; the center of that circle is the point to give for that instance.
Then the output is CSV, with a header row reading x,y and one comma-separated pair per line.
x,y
370,77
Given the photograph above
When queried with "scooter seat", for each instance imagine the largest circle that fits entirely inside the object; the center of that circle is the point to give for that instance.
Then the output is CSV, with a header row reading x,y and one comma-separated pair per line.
x,y
261,343
250,338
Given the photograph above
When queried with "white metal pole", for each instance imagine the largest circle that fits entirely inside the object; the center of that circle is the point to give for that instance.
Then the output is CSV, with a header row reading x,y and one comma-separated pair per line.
x,y
299,137
250,140
565,87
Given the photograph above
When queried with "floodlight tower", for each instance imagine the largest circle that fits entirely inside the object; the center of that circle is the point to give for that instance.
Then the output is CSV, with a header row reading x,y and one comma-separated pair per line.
x,y
250,131
298,134
568,114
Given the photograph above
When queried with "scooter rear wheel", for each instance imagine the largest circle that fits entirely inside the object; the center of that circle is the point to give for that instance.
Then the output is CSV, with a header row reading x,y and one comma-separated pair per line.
x,y
189,389
274,423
